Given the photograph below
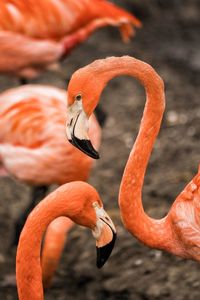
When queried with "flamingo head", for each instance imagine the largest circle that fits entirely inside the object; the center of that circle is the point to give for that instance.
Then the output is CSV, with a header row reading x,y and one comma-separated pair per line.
x,y
90,213
84,91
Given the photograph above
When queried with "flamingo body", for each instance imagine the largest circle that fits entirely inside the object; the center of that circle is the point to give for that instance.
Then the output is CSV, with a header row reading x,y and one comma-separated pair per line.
x,y
34,149
36,34
33,145
179,231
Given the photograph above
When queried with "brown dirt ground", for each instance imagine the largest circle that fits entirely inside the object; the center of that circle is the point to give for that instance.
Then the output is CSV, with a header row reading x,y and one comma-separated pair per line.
x,y
170,42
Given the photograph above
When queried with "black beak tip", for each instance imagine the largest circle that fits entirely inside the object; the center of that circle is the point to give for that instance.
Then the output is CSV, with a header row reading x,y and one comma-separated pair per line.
x,y
104,252
100,263
85,146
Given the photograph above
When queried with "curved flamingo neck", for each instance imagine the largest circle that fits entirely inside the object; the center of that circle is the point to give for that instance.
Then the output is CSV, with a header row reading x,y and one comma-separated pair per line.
x,y
28,264
152,232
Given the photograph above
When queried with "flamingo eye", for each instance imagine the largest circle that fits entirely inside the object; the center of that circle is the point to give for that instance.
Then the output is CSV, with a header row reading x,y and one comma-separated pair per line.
x,y
95,204
78,97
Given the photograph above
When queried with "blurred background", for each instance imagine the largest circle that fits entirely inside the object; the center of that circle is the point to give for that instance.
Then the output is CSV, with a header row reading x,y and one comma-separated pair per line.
x,y
169,41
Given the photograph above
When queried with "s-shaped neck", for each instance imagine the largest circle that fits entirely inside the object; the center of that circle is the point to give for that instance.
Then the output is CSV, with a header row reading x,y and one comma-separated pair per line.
x,y
146,229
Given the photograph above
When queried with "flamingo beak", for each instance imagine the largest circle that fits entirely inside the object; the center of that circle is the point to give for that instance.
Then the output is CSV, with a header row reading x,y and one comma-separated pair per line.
x,y
104,250
105,234
77,132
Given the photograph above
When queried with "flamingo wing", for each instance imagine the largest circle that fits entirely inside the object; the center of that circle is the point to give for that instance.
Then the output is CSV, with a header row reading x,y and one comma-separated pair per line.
x,y
28,113
33,144
31,124
185,219
54,19
36,34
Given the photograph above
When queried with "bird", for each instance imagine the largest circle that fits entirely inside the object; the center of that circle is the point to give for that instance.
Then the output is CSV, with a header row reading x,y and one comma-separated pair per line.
x,y
78,201
36,35
33,144
179,231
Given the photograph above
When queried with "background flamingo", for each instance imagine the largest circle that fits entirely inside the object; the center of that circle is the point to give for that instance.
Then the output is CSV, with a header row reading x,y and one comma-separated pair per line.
x,y
33,146
178,232
77,201
36,35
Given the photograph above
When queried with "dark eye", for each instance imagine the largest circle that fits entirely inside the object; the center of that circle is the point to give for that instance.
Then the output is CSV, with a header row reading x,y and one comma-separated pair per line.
x,y
78,97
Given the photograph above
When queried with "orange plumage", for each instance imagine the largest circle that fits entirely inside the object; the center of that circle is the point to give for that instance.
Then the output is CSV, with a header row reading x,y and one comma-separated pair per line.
x,y
34,149
53,245
81,203
36,34
33,145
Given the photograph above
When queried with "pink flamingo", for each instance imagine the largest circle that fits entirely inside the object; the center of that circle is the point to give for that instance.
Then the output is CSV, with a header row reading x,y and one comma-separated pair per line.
x,y
81,203
34,149
178,232
34,35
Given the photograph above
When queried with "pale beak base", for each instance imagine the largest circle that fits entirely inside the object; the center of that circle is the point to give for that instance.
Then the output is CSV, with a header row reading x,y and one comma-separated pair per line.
x,y
77,130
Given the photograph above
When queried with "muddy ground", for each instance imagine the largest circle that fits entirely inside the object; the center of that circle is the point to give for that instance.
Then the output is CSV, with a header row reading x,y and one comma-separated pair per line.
x,y
169,40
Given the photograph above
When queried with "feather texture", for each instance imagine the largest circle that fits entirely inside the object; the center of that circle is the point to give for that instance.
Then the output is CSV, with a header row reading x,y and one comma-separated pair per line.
x,y
36,34
33,143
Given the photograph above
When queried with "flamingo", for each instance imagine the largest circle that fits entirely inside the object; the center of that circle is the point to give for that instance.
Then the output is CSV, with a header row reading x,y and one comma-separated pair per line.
x,y
34,149
34,35
81,203
179,231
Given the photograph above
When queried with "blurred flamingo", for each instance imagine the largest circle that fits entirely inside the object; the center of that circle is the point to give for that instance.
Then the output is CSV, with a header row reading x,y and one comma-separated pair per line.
x,y
178,232
34,149
34,35
81,203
